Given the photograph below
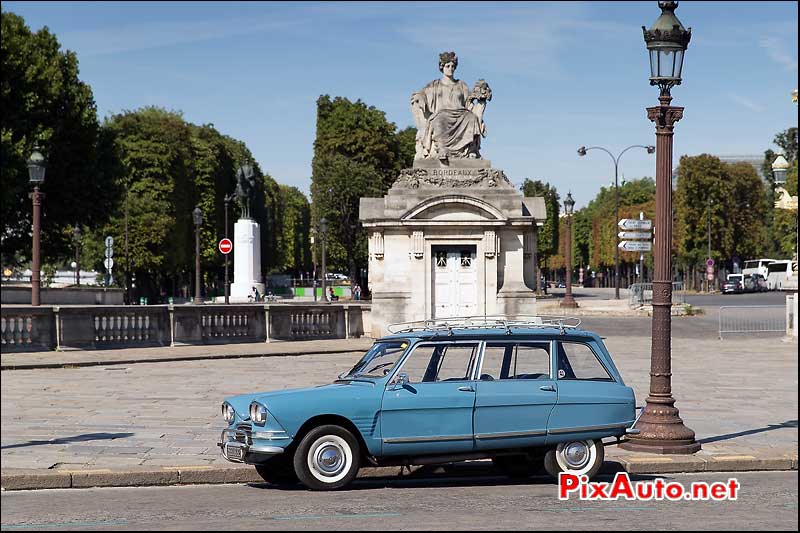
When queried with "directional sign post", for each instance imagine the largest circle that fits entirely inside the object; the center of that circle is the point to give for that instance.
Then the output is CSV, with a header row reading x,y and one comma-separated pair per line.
x,y
634,235
636,246
632,223
225,246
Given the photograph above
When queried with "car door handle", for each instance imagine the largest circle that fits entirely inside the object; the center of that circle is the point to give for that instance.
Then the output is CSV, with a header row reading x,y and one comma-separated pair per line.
x,y
549,388
466,389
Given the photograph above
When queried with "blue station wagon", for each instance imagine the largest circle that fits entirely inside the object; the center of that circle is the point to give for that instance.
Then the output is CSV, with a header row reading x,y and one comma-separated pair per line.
x,y
525,393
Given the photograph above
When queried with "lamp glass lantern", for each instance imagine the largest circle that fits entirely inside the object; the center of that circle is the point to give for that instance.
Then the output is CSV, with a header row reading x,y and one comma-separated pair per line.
x,y
569,203
197,215
780,167
666,41
36,167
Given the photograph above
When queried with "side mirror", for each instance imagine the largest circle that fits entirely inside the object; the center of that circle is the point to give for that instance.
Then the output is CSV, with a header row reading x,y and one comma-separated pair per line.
x,y
401,380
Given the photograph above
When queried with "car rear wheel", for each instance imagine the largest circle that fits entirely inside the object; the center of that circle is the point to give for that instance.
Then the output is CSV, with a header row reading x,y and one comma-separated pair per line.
x,y
327,458
278,470
579,457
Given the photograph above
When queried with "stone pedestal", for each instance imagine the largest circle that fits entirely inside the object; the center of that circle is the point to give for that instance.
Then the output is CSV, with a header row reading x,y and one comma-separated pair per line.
x,y
455,236
246,260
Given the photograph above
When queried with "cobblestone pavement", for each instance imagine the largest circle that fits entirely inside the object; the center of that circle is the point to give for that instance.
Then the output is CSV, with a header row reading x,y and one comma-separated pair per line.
x,y
740,397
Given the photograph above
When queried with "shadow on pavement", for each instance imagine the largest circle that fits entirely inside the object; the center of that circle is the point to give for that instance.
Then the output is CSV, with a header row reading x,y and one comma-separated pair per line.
x,y
769,427
67,440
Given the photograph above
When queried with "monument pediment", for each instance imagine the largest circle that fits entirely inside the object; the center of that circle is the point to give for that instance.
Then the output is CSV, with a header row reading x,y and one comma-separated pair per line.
x,y
452,177
453,208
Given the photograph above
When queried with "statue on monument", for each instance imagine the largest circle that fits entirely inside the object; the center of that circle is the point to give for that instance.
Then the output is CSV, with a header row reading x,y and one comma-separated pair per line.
x,y
245,188
449,117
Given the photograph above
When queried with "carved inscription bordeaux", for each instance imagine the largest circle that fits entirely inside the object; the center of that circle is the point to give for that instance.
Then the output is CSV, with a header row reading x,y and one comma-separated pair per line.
x,y
414,178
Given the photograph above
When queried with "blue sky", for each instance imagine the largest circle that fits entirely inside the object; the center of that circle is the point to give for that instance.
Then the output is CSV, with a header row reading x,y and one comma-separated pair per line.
x,y
563,74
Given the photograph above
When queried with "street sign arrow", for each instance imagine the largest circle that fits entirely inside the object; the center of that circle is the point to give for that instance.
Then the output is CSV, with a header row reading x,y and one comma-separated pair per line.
x,y
109,263
636,246
632,223
634,235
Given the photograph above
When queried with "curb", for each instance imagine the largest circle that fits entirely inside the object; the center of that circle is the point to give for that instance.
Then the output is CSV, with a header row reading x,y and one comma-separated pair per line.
x,y
37,479
78,364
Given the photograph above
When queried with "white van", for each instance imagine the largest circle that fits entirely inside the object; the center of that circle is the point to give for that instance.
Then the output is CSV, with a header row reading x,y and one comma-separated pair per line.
x,y
782,275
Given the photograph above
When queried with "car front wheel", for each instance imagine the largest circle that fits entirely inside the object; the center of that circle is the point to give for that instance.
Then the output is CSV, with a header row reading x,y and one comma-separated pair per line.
x,y
327,458
579,457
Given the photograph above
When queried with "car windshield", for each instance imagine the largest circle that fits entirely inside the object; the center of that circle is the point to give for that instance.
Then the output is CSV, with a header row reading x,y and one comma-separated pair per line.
x,y
379,360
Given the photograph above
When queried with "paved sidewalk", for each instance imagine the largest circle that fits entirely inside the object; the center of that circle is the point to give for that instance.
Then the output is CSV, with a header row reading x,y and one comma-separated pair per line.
x,y
140,424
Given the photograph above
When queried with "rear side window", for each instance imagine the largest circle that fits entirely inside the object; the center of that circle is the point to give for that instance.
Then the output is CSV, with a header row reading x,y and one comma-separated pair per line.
x,y
577,361
511,360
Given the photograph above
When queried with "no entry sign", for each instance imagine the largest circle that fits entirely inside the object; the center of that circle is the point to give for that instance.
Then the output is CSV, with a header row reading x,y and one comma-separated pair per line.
x,y
225,246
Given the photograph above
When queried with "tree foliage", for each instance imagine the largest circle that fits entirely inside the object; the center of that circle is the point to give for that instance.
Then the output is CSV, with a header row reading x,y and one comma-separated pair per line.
x,y
357,153
548,235
44,101
723,200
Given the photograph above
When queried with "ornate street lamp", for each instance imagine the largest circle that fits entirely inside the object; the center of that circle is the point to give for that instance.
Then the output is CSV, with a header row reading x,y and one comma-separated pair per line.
x,y
568,300
780,167
661,430
76,240
313,232
323,230
197,216
36,170
582,152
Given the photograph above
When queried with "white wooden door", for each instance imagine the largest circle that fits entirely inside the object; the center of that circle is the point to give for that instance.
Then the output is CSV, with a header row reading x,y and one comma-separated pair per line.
x,y
455,282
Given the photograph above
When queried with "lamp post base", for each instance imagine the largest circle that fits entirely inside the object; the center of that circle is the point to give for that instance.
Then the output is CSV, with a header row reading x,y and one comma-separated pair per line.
x,y
661,431
568,302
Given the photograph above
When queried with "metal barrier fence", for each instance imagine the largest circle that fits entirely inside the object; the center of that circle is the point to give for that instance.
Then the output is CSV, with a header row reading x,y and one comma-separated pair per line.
x,y
642,294
752,319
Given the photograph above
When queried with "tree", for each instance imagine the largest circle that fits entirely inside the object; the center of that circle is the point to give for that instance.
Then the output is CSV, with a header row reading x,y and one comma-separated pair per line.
x,y
44,101
293,250
357,153
777,223
548,235
722,200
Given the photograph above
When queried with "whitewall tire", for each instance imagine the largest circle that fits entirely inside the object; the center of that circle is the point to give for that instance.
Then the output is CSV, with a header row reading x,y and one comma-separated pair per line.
x,y
579,457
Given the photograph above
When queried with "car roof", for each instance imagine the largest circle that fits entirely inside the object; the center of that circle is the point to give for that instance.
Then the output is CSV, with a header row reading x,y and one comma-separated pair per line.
x,y
497,333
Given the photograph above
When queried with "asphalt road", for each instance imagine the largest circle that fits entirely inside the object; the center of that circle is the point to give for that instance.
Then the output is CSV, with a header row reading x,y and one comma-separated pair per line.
x,y
767,501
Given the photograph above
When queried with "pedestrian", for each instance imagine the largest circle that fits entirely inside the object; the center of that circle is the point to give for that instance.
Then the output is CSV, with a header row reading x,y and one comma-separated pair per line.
x,y
331,296
358,291
256,295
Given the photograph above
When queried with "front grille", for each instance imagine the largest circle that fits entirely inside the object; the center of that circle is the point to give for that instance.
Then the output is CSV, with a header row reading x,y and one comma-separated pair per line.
x,y
244,434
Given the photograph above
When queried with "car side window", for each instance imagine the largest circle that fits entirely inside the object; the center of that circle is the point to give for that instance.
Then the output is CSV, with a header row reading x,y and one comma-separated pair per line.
x,y
509,360
429,363
577,361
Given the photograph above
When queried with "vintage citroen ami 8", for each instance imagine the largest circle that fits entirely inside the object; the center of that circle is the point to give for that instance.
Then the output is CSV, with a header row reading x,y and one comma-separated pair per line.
x,y
526,393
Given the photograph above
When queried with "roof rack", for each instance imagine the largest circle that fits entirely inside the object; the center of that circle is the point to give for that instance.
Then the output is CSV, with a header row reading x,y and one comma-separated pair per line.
x,y
486,322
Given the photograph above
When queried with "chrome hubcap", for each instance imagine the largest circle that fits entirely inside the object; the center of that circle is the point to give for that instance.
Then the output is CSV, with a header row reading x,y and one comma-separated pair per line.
x,y
576,454
329,459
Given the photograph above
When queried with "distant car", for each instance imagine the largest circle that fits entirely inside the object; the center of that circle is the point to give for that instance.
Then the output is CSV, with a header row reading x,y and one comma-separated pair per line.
x,y
336,276
755,283
733,285
526,394
561,285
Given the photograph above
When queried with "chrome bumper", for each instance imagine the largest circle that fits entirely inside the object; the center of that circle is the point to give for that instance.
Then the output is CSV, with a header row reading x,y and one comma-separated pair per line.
x,y
237,447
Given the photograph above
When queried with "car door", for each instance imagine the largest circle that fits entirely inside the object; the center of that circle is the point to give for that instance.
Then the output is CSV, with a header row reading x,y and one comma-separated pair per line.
x,y
516,393
432,413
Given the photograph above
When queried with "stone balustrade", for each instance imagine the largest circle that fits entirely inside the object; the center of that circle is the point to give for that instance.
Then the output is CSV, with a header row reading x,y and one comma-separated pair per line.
x,y
27,328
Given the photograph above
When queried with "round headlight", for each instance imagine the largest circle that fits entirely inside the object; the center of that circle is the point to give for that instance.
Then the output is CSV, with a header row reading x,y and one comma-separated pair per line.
x,y
258,413
227,412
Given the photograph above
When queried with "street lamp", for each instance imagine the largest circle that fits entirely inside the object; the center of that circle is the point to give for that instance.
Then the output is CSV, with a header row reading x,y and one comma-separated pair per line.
x,y
197,215
76,240
323,230
660,428
313,232
36,170
568,300
227,199
708,257
582,152
780,167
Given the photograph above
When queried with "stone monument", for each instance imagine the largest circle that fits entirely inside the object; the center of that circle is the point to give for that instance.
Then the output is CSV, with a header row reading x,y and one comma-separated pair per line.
x,y
246,241
452,237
